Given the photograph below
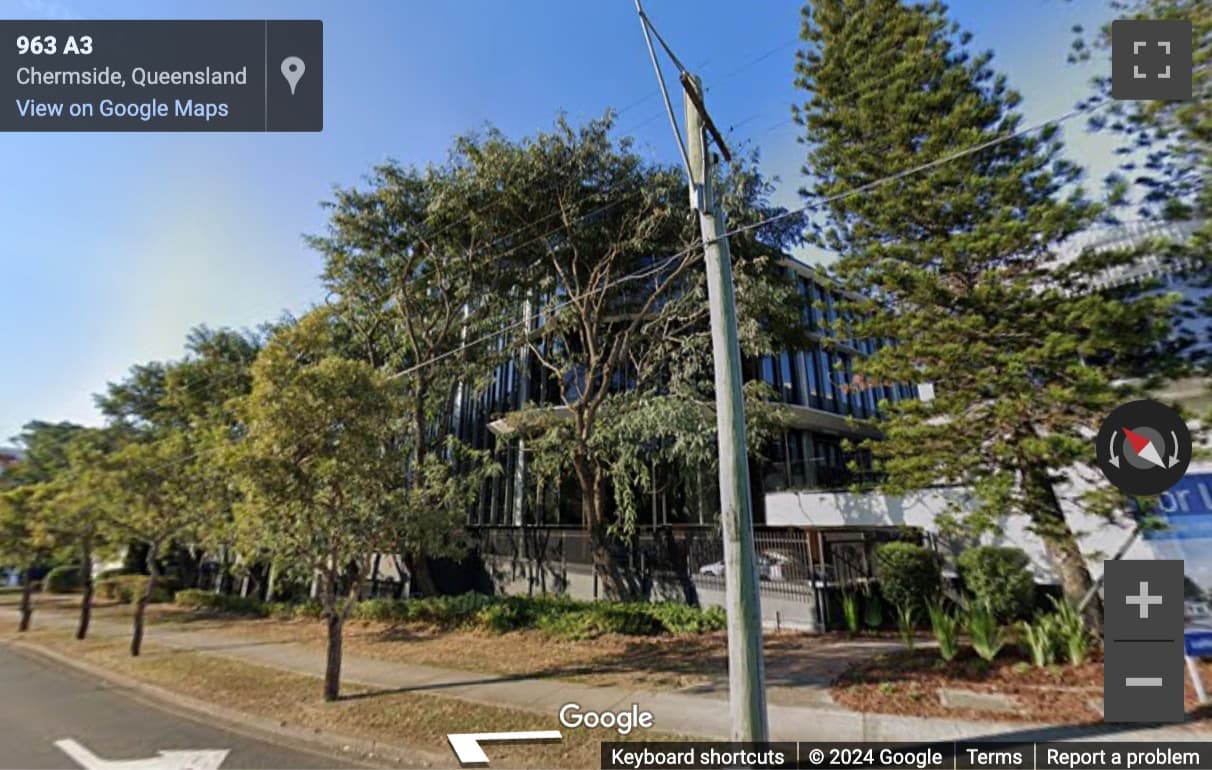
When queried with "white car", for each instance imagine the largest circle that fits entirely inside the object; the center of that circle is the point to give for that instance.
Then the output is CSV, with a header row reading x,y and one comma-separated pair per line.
x,y
716,568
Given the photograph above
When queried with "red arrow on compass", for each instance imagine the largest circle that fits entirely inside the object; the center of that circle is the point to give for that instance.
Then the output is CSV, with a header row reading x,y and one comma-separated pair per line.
x,y
1144,448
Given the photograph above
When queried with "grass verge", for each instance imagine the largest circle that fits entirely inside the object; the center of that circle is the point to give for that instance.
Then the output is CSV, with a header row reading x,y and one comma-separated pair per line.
x,y
406,719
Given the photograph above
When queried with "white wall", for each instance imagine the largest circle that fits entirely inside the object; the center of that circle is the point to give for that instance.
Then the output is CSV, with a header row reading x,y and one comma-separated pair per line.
x,y
1099,539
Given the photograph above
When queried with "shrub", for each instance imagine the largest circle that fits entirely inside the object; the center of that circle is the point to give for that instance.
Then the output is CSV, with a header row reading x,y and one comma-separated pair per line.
x,y
1072,632
999,577
554,614
513,613
442,611
909,574
906,623
197,599
631,619
945,625
125,589
850,611
380,609
307,609
63,580
680,618
873,611
1042,639
984,630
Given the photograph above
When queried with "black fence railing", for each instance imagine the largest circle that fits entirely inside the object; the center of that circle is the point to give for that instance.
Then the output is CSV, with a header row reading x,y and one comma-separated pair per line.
x,y
787,566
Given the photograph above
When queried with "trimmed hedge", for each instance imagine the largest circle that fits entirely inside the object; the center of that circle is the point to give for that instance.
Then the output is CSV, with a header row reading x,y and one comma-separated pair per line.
x,y
557,615
125,589
909,574
63,579
999,577
197,599
446,611
309,609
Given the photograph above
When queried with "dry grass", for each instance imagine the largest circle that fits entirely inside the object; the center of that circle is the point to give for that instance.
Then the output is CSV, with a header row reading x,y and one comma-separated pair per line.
x,y
407,719
670,662
686,663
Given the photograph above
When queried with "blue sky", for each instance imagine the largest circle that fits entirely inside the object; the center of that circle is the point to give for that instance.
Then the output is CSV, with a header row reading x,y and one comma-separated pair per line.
x,y
116,244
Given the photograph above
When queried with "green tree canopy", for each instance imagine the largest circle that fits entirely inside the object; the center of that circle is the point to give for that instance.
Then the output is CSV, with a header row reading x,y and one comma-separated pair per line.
x,y
953,264
319,485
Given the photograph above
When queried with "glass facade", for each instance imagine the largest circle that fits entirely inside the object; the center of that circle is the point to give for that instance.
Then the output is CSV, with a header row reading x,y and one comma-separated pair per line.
x,y
818,380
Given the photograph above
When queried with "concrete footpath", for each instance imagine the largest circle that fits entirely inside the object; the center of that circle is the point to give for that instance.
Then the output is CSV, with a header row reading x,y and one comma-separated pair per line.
x,y
696,715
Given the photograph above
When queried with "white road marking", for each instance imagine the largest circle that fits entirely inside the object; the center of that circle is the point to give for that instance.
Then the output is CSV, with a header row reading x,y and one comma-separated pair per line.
x,y
168,760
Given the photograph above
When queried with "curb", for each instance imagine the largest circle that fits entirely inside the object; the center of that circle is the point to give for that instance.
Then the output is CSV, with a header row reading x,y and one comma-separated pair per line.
x,y
359,752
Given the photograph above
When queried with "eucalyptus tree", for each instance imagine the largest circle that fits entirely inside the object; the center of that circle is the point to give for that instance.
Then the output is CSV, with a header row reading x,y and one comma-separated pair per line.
x,y
153,485
26,505
318,482
606,246
21,543
191,396
415,280
78,508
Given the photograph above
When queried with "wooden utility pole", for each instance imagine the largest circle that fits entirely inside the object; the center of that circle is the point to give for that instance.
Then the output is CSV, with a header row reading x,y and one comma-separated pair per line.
x,y
746,664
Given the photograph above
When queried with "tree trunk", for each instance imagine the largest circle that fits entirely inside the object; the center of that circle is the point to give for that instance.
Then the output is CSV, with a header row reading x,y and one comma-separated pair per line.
x,y
86,580
190,566
269,582
419,575
332,665
335,621
221,571
1048,521
27,599
615,585
153,572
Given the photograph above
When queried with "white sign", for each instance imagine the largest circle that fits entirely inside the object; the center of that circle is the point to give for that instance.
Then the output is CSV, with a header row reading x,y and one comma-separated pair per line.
x,y
467,749
168,760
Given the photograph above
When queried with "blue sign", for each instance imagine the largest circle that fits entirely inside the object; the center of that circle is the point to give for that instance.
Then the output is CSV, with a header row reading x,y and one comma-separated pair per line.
x,y
1186,508
1197,643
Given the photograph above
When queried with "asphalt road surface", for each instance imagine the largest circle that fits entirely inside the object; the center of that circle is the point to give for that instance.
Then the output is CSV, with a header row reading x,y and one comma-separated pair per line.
x,y
41,704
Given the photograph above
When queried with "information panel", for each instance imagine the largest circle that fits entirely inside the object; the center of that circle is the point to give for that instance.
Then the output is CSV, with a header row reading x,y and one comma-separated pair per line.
x,y
1094,754
162,75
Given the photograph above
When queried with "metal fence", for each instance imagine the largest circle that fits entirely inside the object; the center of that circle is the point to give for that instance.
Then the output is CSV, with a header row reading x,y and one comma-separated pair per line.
x,y
786,564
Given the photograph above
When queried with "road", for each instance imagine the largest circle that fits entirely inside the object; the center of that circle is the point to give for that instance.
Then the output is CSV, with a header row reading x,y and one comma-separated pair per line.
x,y
41,704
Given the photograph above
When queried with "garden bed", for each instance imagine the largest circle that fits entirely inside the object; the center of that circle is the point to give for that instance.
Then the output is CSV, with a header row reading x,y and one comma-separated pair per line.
x,y
910,683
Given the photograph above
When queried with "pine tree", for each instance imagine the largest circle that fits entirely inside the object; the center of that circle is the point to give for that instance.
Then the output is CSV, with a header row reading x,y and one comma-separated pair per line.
x,y
952,264
1165,170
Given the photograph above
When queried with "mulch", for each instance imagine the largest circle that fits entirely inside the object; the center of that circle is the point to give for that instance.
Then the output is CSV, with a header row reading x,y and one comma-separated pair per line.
x,y
908,682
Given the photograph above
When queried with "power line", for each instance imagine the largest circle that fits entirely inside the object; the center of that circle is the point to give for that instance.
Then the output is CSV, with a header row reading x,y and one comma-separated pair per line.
x,y
634,276
924,166
637,102
652,270
760,58
843,97
795,212
649,32
732,73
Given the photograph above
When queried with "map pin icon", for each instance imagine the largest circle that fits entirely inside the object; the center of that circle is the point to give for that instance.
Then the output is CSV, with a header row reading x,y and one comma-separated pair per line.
x,y
292,70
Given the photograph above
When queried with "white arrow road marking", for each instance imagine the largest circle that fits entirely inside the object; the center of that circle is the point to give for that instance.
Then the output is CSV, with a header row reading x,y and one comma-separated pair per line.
x,y
168,760
467,749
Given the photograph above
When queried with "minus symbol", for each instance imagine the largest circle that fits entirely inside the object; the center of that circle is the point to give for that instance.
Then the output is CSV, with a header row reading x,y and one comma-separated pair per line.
x,y
1142,681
